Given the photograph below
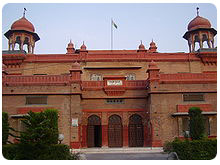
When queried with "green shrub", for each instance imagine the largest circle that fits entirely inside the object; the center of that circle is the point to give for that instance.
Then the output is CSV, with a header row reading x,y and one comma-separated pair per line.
x,y
167,147
196,123
56,152
9,151
5,128
195,150
52,116
38,152
41,128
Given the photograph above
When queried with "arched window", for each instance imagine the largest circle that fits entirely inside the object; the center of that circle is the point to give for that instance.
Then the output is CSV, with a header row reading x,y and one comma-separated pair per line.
x,y
136,131
115,131
95,77
26,40
131,76
94,131
18,39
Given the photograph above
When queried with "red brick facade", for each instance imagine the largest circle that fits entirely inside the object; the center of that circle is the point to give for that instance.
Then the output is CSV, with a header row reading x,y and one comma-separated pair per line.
x,y
143,88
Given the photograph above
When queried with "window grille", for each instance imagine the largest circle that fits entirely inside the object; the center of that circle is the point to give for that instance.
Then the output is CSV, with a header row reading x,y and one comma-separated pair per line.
x,y
193,97
36,100
115,101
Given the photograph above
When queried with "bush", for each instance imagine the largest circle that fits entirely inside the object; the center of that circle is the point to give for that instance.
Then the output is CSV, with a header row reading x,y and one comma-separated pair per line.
x,y
195,150
5,128
41,128
57,152
38,152
196,123
9,151
52,116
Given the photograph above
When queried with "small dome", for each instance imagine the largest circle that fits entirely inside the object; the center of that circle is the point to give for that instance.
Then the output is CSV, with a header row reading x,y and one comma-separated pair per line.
x,y
152,64
76,65
70,45
152,44
23,24
199,22
141,47
83,47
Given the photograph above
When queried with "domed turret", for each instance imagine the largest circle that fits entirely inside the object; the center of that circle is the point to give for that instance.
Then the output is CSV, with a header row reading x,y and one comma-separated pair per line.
x,y
70,48
199,22
23,33
199,30
152,65
153,47
83,47
76,65
141,46
23,24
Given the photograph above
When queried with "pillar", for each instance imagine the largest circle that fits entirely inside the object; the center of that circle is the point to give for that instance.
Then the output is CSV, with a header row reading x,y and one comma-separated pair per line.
x,y
125,135
104,135
84,136
146,136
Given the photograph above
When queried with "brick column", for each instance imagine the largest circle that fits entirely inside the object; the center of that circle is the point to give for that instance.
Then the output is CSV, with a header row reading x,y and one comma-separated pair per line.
x,y
145,136
75,72
153,71
104,135
84,136
125,136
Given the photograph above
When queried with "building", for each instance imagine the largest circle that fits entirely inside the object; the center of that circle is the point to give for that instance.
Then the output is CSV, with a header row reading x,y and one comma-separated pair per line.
x,y
112,98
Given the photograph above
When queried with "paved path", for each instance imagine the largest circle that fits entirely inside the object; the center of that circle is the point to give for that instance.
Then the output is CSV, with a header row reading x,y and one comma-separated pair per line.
x,y
120,150
126,156
125,153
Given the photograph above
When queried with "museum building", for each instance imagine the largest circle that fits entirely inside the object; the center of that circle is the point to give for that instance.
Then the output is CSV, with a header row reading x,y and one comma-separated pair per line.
x,y
112,98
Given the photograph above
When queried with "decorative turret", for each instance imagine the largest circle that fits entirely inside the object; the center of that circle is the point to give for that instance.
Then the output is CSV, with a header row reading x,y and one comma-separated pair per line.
x,y
70,48
153,71
153,47
75,72
83,47
23,33
199,30
141,48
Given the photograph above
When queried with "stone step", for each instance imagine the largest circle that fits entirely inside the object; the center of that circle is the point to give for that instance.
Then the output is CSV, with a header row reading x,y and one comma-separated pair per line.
x,y
119,150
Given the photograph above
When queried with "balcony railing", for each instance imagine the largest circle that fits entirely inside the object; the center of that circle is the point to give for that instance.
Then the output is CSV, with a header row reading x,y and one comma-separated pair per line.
x,y
130,84
189,77
36,79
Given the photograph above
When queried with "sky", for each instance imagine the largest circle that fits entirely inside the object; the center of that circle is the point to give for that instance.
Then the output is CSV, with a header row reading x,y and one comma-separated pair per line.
x,y
57,23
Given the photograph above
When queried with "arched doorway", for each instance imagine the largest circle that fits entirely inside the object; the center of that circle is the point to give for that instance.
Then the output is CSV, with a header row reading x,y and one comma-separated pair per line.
x,y
94,132
136,131
115,131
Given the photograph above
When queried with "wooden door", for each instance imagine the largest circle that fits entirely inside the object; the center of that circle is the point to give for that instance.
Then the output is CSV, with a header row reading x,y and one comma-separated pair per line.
x,y
94,134
115,131
135,131
91,136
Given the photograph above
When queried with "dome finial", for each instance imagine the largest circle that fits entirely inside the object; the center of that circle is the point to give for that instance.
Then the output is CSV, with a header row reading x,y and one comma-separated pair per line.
x,y
24,12
197,11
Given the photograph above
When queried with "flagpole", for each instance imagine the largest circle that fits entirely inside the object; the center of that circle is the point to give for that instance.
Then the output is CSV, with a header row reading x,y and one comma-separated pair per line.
x,y
111,36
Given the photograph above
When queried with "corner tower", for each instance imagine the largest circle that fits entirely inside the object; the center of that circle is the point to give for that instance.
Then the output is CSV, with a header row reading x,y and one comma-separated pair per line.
x,y
22,32
200,30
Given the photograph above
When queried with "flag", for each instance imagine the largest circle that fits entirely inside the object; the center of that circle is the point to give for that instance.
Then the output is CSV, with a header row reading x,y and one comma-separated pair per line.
x,y
113,23
25,9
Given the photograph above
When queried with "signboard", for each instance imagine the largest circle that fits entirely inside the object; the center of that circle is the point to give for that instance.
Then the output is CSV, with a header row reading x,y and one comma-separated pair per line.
x,y
75,122
114,82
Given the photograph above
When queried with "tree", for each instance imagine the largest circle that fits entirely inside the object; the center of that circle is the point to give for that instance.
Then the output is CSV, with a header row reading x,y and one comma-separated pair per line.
x,y
196,123
41,128
5,128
